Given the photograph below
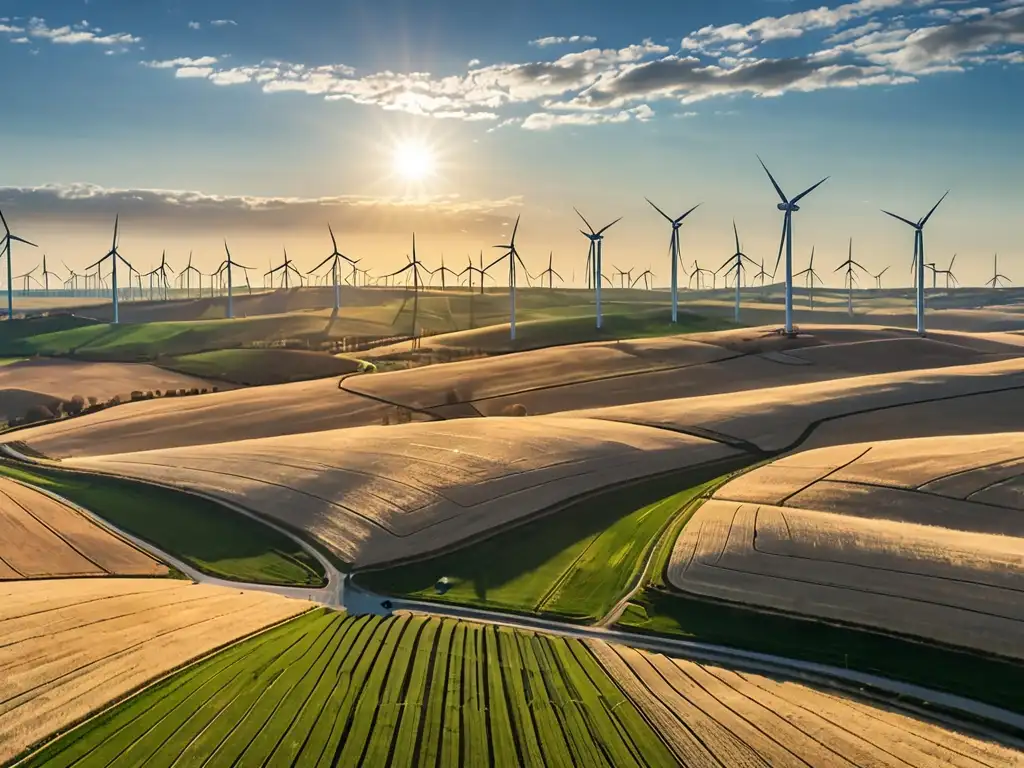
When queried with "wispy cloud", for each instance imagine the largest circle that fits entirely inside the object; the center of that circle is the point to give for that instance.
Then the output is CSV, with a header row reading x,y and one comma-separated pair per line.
x,y
224,23
89,203
184,61
544,42
80,32
545,121
194,25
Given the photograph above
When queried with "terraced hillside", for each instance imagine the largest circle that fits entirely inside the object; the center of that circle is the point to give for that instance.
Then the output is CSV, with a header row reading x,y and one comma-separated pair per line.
x,y
917,537
72,646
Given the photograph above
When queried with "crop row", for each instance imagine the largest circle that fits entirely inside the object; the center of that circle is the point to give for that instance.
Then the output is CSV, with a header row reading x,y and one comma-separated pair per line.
x,y
329,689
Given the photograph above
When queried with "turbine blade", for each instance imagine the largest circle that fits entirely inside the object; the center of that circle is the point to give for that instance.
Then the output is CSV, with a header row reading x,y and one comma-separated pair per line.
x,y
905,221
658,209
809,190
677,221
782,241
737,233
925,219
584,221
21,240
782,195
609,226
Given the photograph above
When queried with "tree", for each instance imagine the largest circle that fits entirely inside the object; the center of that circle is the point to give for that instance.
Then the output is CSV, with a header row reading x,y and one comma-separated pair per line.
x,y
93,401
75,405
38,413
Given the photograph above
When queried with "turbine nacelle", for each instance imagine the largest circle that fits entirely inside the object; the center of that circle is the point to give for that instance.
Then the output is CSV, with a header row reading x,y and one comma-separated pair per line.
x,y
791,207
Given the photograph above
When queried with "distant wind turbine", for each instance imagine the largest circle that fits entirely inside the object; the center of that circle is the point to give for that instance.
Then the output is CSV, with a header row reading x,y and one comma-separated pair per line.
x,y
996,276
185,277
646,276
948,272
551,274
285,267
878,278
225,267
789,207
513,258
735,265
596,239
414,265
850,277
918,263
441,271
8,238
113,255
46,276
335,258
676,255
811,277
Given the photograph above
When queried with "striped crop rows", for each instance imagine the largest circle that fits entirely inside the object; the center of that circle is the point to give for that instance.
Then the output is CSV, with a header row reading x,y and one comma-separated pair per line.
x,y
329,689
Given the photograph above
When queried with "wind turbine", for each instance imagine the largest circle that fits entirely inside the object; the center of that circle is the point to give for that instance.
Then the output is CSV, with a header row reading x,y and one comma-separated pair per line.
x,y
948,272
698,275
811,277
878,278
513,257
8,238
30,275
646,276
415,265
46,276
284,268
594,258
996,276
550,272
441,270
676,255
113,255
918,263
735,264
72,279
761,275
789,207
622,274
335,258
850,277
185,277
226,266
162,271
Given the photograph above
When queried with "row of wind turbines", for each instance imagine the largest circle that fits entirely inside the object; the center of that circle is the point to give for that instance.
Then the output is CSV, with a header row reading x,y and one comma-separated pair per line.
x,y
735,266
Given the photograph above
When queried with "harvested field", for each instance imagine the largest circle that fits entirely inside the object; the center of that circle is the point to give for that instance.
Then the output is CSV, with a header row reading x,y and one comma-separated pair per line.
x,y
965,399
916,537
242,414
40,381
69,647
328,689
42,538
260,367
376,494
716,716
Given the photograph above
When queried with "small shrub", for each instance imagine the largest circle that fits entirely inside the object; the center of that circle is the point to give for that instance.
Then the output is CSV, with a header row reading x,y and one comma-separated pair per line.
x,y
115,400
157,393
202,391
75,405
137,394
93,401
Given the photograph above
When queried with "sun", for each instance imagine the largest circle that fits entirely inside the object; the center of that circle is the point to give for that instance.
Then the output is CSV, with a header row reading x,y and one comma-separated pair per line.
x,y
413,161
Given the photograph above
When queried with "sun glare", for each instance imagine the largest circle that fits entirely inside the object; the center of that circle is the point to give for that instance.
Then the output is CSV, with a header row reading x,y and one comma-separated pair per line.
x,y
413,162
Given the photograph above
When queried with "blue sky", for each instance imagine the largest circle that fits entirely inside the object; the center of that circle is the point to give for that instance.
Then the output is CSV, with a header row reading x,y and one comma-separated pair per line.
x,y
262,121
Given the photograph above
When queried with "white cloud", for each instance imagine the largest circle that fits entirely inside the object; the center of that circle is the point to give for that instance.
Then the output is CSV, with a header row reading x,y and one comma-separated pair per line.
x,y
202,61
224,23
545,121
543,42
473,63
193,72
20,40
194,25
81,32
9,29
854,32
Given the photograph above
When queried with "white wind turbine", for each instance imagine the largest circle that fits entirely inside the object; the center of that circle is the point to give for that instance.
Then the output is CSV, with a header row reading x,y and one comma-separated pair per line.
x,y
113,255
789,207
735,264
513,256
918,263
8,238
676,255
594,257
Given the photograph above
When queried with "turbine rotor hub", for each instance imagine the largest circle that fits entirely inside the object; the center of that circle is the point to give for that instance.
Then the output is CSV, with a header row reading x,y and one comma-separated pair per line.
x,y
788,207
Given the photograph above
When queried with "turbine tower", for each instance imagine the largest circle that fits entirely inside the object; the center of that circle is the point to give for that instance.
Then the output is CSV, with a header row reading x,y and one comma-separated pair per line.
x,y
761,275
918,263
676,255
789,207
226,266
996,277
28,276
646,276
594,258
735,264
948,272
162,271
415,265
470,269
513,257
186,278
697,275
113,255
8,238
850,277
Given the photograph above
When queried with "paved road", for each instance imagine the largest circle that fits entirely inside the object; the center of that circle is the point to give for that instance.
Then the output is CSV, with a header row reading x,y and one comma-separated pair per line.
x,y
341,593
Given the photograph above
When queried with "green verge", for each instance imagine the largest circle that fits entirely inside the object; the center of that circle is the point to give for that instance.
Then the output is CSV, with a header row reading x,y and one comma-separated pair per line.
x,y
574,563
329,689
259,367
987,679
209,537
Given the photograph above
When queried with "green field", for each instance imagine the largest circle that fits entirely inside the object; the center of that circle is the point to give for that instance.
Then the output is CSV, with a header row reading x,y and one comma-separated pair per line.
x,y
207,536
329,689
256,367
575,563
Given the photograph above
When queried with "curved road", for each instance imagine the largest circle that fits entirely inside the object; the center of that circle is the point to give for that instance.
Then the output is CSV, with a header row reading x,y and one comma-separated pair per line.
x,y
341,593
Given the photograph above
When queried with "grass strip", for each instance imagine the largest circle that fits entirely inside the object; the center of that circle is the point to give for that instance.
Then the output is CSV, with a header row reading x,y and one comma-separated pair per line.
x,y
428,750
209,537
412,700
